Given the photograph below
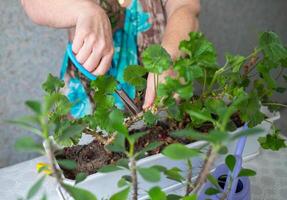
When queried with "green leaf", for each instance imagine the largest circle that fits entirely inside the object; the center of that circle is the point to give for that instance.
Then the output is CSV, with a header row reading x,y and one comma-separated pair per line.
x,y
34,106
157,194
109,168
213,180
27,144
272,47
272,141
80,177
52,84
72,131
185,91
136,136
149,147
247,132
25,125
191,197
118,145
67,164
116,121
174,197
35,188
150,174
122,195
150,118
230,162
211,191
104,84
78,193
174,174
246,172
156,59
122,183
199,49
179,152
134,75
123,163
235,62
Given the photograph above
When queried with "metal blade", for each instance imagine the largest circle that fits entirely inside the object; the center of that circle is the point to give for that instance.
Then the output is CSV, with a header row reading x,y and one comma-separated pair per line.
x,y
129,103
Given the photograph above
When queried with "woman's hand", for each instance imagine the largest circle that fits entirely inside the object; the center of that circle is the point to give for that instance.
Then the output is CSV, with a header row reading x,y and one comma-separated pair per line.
x,y
92,41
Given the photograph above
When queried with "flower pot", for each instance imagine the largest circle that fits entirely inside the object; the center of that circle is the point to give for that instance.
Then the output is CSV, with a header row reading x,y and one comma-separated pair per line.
x,y
104,185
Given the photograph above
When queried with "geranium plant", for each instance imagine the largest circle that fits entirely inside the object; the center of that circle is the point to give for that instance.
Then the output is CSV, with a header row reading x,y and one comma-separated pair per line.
x,y
204,101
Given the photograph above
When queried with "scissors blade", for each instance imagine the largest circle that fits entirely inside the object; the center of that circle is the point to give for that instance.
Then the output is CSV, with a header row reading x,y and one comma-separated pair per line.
x,y
129,103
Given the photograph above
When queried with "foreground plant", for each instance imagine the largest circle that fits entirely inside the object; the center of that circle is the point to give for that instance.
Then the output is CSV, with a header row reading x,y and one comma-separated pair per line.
x,y
225,98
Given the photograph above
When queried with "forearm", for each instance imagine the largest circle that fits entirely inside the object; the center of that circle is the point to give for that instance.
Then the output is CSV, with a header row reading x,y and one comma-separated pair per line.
x,y
182,21
57,13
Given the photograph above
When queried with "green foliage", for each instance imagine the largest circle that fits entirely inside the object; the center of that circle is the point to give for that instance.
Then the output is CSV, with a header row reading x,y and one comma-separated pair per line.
x,y
109,168
150,174
78,193
35,188
67,164
52,84
156,59
179,152
246,172
157,194
212,191
28,144
272,141
122,195
150,118
134,75
230,162
80,177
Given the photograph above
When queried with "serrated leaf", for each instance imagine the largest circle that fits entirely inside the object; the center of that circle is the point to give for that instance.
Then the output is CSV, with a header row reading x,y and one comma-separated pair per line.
x,y
235,62
150,174
118,144
156,193
246,172
67,164
52,84
150,118
122,195
272,141
230,162
27,144
156,59
272,46
35,188
79,193
134,75
179,152
72,131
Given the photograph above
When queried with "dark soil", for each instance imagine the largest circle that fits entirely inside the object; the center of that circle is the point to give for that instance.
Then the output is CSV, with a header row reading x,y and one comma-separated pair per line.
x,y
93,156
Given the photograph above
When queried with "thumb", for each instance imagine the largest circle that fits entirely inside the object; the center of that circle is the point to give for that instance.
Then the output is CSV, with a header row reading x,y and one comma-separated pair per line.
x,y
150,92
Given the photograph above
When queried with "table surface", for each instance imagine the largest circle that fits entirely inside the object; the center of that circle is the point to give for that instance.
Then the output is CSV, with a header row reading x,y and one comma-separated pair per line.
x,y
270,183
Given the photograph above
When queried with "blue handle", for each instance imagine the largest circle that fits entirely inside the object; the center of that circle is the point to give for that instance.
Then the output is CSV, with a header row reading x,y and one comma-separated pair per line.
x,y
80,67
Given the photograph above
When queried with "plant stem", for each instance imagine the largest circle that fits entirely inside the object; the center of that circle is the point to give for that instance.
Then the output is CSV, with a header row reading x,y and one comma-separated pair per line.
x,y
211,155
134,178
275,104
189,186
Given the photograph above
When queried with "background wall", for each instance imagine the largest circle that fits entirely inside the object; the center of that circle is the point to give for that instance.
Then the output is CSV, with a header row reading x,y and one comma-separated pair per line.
x,y
29,52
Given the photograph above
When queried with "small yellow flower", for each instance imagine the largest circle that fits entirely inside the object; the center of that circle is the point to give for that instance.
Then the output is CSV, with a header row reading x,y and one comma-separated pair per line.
x,y
44,167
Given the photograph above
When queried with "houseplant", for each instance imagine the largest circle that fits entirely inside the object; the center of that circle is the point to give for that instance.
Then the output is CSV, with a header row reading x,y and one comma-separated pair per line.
x,y
227,97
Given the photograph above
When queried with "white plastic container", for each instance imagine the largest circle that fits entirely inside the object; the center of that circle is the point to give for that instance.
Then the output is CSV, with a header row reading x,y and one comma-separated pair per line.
x,y
104,185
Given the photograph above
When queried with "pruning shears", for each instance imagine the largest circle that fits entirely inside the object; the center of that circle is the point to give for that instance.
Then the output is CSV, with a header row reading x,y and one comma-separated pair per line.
x,y
127,101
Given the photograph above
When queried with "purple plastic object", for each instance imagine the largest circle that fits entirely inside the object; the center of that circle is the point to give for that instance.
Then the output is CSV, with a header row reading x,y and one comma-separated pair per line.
x,y
240,188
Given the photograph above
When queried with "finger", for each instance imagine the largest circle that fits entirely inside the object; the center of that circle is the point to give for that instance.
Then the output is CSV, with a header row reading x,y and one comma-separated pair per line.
x,y
78,41
150,92
86,50
93,61
104,65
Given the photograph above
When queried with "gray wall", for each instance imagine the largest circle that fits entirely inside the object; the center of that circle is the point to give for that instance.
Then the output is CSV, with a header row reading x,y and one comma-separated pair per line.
x,y
29,52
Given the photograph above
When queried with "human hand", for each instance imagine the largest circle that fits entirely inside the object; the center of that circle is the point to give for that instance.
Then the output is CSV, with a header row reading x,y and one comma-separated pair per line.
x,y
150,93
92,40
